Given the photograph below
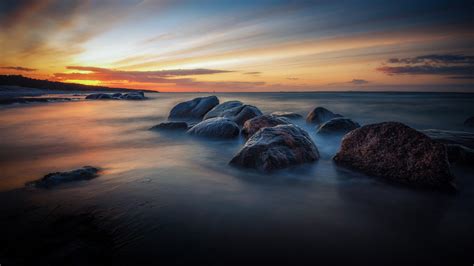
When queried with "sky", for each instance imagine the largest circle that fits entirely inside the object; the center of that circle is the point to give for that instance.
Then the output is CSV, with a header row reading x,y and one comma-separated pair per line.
x,y
243,46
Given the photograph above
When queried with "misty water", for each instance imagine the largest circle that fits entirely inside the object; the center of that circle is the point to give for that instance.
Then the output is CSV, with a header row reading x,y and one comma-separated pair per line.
x,y
173,197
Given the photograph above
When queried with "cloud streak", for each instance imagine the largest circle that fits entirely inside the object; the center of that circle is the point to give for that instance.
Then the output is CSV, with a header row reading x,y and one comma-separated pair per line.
x,y
18,68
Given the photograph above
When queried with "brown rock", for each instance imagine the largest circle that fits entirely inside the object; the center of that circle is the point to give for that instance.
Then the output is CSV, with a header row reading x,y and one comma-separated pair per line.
x,y
251,126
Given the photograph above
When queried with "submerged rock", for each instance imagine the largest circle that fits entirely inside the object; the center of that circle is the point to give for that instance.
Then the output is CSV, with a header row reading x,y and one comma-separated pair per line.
x,y
275,148
171,125
53,179
469,122
289,115
251,126
396,152
220,110
338,125
195,108
99,96
138,95
217,127
320,115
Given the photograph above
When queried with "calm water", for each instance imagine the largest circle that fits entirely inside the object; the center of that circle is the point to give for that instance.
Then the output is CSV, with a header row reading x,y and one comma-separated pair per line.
x,y
173,197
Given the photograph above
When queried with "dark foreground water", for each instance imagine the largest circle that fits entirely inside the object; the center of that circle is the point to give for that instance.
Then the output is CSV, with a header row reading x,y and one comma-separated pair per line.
x,y
172,199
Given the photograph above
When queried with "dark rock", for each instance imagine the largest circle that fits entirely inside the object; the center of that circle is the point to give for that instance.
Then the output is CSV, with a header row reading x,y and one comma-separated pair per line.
x,y
460,154
139,95
195,108
53,179
396,152
99,96
239,114
251,126
451,137
220,110
338,125
217,127
171,125
289,115
275,148
469,122
320,115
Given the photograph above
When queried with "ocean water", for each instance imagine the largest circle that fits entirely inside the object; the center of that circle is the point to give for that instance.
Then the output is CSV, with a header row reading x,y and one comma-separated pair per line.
x,y
170,197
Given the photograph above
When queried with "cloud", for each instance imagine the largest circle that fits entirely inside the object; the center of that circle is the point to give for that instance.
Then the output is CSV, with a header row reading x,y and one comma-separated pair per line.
x,y
253,73
456,66
358,81
292,78
18,68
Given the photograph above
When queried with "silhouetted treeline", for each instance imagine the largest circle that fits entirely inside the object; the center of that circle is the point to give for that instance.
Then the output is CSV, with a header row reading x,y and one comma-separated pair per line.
x,y
18,80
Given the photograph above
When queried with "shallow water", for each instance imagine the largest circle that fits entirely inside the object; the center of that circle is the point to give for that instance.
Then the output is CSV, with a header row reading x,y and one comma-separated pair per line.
x,y
174,198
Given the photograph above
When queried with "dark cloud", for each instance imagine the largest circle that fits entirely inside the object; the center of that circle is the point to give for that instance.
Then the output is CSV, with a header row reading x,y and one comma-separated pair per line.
x,y
158,73
456,66
358,81
18,68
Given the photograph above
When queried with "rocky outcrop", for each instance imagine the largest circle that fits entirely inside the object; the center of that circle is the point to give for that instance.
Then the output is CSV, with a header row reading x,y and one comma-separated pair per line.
x,y
320,115
338,125
53,179
221,109
469,122
194,109
171,125
217,127
253,125
289,115
396,152
275,148
139,95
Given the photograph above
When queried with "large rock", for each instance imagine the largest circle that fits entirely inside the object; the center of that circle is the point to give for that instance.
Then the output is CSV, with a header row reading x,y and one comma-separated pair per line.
x,y
396,152
217,127
338,125
289,115
194,109
469,122
276,147
221,109
240,113
53,179
451,137
253,125
171,125
320,115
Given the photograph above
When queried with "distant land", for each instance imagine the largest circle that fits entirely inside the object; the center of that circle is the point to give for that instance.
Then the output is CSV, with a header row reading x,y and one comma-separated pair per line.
x,y
21,81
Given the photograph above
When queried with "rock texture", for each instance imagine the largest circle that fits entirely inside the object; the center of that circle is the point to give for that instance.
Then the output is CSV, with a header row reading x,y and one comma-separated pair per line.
x,y
251,126
275,148
289,115
139,95
221,109
469,122
53,179
194,109
171,125
320,115
338,125
239,114
396,152
217,127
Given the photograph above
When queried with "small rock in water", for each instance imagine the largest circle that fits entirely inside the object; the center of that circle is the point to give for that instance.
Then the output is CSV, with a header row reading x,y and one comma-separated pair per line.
x,y
221,109
396,152
275,148
194,109
469,122
53,179
253,125
320,115
171,125
289,115
217,127
139,95
338,125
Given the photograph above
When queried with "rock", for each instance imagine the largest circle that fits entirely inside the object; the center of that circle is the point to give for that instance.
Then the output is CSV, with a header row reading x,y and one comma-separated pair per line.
x,y
460,154
219,110
195,108
320,115
217,127
99,96
289,115
53,179
171,125
396,152
338,125
139,95
275,148
251,126
451,137
239,114
469,122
